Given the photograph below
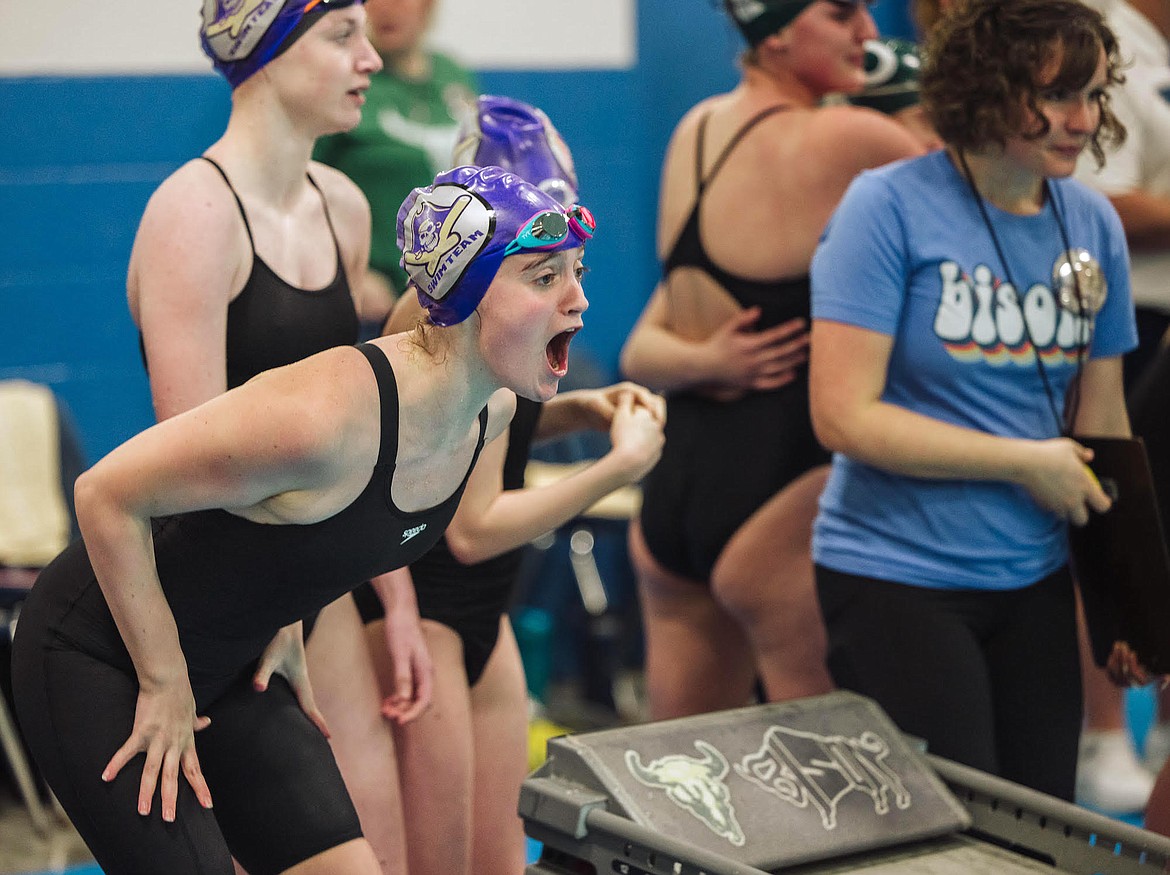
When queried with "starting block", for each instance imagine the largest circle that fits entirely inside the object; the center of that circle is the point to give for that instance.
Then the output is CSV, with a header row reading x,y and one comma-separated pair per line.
x,y
819,786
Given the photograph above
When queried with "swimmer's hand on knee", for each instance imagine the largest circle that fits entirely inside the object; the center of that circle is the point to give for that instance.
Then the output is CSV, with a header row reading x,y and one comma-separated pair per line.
x,y
164,730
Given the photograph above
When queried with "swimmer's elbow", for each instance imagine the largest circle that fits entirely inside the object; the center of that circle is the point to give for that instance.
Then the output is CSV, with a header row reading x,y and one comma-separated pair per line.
x,y
85,493
96,502
466,546
628,362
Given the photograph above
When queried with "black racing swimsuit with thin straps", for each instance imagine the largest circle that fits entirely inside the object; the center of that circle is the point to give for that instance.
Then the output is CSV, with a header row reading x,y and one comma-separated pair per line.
x,y
231,583
469,598
271,323
722,460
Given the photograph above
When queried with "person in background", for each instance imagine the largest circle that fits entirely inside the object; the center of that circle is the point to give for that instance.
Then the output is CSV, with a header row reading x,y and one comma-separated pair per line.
x,y
1151,419
1136,178
251,256
408,129
246,257
721,547
892,70
970,311
462,761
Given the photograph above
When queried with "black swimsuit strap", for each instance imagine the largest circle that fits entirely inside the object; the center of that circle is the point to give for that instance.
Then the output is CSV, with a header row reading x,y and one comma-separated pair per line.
x,y
239,203
388,396
328,217
704,181
700,182
244,215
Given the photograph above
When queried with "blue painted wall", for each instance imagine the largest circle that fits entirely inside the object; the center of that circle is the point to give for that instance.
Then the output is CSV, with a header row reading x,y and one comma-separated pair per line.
x,y
79,160
81,156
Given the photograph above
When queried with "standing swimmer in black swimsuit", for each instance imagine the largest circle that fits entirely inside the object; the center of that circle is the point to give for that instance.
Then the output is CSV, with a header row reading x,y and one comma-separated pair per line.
x,y
251,257
210,532
750,178
246,258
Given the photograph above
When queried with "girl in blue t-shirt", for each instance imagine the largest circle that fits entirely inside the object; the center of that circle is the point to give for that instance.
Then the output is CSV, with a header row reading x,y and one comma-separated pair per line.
x,y
970,309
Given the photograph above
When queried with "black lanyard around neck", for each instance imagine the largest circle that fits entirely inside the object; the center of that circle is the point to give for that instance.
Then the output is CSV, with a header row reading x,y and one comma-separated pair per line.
x,y
1065,423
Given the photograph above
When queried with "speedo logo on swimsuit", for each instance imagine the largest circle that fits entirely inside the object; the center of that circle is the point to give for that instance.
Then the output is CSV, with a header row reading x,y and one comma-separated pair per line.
x,y
410,533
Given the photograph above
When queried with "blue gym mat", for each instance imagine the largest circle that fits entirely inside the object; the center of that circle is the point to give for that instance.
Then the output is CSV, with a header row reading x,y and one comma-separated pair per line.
x,y
533,854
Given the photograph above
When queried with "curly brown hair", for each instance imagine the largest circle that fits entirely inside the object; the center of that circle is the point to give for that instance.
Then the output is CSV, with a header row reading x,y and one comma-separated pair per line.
x,y
925,14
981,81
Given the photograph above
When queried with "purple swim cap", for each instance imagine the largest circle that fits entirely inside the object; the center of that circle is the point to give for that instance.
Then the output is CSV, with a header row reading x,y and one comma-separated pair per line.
x,y
241,36
518,137
453,235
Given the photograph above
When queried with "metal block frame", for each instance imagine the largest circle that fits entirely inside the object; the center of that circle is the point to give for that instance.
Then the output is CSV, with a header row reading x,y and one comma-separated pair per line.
x,y
1007,829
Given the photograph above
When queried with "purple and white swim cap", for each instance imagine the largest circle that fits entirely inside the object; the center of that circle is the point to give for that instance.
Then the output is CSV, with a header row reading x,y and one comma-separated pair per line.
x,y
454,235
519,137
241,36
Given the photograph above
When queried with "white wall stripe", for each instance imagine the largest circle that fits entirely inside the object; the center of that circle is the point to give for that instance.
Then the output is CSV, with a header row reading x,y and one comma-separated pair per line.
x,y
112,37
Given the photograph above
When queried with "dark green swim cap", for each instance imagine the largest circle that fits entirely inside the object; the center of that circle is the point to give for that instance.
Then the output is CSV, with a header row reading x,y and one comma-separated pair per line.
x,y
759,19
892,69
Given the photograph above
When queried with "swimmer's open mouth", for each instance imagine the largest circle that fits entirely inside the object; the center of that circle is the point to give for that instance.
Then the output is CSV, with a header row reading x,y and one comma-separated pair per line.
x,y
557,352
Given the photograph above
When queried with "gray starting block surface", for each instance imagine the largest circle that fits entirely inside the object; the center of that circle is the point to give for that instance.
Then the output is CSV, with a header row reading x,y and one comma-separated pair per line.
x,y
818,786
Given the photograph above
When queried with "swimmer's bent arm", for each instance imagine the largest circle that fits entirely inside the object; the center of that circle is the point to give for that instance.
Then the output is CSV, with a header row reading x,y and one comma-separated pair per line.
x,y
491,521
734,358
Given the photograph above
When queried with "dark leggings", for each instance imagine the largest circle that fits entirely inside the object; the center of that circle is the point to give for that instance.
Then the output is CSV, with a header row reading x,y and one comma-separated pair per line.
x,y
279,798
1150,416
990,679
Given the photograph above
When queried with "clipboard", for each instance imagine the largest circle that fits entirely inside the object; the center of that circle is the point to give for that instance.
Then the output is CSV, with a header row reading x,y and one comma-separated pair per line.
x,y
1120,559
